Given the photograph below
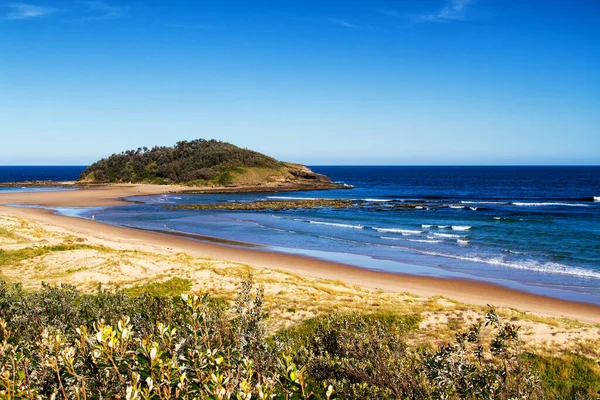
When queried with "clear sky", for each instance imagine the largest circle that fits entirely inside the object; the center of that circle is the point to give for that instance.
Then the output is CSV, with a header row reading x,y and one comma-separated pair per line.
x,y
311,81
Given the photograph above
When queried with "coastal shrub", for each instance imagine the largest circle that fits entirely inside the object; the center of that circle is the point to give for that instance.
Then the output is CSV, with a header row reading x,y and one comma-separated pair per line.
x,y
470,368
362,356
58,342
369,356
200,353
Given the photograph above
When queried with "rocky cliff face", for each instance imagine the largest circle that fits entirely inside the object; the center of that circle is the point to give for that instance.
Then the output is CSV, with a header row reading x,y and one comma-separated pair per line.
x,y
302,172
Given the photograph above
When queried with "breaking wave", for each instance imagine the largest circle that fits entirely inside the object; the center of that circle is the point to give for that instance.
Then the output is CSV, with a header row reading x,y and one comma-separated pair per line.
x,y
294,198
447,235
406,232
527,265
518,204
376,200
411,240
461,228
337,225
483,202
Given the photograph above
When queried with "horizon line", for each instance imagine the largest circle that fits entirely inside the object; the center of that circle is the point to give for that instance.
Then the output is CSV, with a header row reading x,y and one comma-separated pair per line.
x,y
357,165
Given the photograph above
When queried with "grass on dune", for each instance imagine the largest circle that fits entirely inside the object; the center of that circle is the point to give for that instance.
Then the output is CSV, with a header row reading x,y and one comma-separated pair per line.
x,y
170,288
12,257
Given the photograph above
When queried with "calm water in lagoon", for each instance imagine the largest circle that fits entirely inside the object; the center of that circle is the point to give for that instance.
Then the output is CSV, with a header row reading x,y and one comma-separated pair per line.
x,y
532,228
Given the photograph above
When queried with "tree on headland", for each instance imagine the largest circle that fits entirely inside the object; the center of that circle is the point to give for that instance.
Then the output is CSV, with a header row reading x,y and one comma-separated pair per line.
x,y
187,161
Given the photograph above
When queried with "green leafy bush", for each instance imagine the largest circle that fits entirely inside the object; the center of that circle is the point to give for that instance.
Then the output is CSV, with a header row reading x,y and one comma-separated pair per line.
x,y
197,353
60,343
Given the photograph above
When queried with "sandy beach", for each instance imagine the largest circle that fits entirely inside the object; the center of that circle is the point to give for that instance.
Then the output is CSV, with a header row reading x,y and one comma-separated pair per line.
x,y
464,291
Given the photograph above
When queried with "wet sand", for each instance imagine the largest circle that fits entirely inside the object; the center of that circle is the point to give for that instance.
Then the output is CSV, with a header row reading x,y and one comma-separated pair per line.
x,y
465,291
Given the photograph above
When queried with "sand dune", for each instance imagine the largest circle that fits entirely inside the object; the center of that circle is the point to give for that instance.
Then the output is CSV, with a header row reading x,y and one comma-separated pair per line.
x,y
465,291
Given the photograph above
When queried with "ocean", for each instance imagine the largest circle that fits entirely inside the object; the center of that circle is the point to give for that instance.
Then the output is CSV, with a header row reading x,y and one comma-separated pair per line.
x,y
535,229
39,173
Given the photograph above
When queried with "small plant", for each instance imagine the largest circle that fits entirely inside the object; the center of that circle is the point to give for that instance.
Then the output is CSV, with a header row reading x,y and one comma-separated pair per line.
x,y
471,369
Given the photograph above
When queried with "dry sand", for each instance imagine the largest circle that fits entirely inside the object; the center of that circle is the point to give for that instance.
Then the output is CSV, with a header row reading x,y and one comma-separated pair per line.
x,y
464,291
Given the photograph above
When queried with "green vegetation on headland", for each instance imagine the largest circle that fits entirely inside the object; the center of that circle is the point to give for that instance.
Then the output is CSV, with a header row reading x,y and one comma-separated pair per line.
x,y
198,163
60,343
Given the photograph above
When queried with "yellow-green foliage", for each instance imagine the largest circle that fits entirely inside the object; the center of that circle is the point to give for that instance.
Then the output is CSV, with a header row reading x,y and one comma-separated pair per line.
x,y
63,344
568,377
171,287
13,257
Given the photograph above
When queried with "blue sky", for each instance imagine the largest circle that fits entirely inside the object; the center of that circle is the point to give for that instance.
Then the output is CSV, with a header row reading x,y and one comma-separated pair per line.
x,y
317,82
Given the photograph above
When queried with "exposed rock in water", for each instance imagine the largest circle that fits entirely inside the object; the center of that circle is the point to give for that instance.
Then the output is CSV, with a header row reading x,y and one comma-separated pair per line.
x,y
274,205
296,204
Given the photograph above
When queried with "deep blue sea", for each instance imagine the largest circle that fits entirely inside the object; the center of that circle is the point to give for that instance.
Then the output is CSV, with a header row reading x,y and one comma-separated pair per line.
x,y
40,173
532,228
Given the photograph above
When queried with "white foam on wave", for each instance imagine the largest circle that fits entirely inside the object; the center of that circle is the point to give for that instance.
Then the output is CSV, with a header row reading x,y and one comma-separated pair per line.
x,y
390,238
278,230
596,198
337,225
461,228
294,198
527,265
462,242
521,253
447,235
456,206
404,232
443,226
473,208
519,204
424,226
411,240
483,202
376,200
424,240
